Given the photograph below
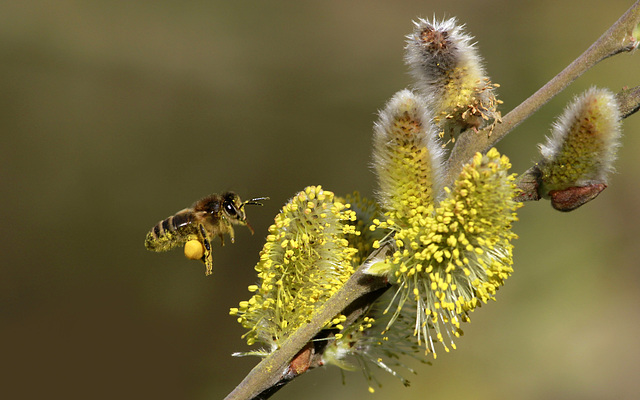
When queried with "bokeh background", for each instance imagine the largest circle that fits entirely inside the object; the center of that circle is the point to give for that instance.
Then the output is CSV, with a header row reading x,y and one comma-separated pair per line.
x,y
116,114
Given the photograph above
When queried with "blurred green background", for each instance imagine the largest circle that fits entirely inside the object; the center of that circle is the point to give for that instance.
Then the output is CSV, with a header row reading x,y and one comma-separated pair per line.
x,y
116,114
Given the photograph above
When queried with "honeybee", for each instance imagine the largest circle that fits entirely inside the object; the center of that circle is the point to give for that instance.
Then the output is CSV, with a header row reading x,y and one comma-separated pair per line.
x,y
211,216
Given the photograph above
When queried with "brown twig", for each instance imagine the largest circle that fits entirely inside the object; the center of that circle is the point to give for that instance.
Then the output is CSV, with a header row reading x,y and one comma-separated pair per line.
x,y
629,101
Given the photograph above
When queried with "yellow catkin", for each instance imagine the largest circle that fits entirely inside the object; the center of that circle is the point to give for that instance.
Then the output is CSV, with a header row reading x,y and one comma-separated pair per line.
x,y
448,273
308,256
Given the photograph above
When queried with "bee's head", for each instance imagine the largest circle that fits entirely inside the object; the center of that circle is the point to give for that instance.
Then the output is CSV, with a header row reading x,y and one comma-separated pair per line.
x,y
233,208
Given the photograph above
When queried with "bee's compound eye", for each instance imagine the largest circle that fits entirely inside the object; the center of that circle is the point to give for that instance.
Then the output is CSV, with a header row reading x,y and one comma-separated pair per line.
x,y
230,208
193,250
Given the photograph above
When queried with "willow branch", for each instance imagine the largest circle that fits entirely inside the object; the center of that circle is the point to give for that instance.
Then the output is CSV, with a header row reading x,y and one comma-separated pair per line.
x,y
629,101
280,367
276,367
618,38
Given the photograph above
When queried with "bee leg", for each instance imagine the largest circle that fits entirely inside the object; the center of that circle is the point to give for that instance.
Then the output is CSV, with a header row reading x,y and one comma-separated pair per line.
x,y
232,234
207,257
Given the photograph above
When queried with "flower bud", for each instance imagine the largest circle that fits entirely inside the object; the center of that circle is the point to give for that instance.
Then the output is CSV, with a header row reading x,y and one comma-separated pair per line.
x,y
578,156
406,157
448,71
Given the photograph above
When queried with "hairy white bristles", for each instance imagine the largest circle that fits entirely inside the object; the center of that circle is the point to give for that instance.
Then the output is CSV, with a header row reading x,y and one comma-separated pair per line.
x,y
406,155
434,48
583,143
448,71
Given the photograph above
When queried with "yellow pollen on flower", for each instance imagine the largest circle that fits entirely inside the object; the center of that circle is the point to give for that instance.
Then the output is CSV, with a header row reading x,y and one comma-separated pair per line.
x,y
458,242
306,259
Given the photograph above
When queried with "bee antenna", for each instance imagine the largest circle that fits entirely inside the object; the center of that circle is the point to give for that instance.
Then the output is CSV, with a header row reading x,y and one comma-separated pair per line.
x,y
254,202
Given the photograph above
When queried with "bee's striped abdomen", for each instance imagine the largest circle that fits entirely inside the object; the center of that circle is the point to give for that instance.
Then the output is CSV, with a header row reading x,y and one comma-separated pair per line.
x,y
171,232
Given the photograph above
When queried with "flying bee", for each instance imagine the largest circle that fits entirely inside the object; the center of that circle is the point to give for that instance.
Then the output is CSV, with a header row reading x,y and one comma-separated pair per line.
x,y
211,216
